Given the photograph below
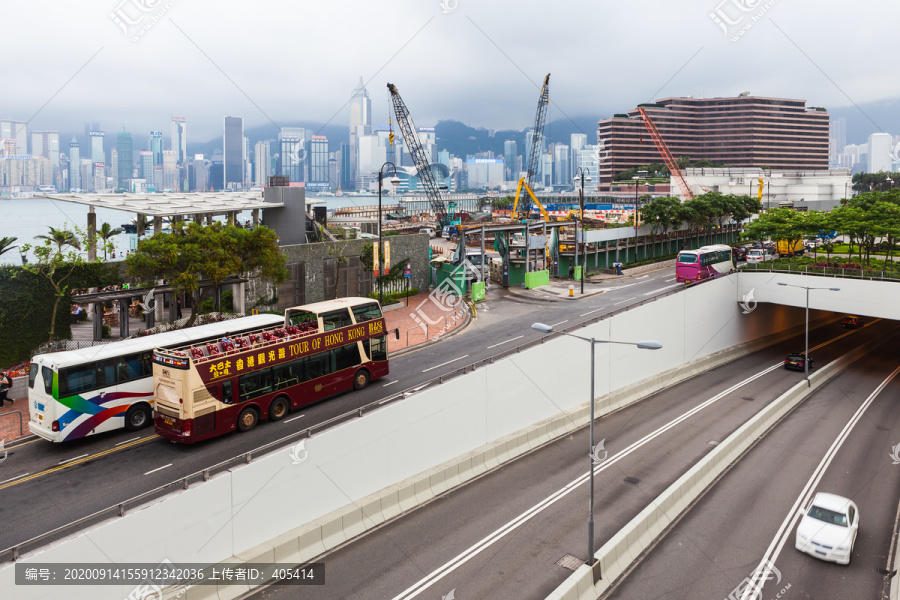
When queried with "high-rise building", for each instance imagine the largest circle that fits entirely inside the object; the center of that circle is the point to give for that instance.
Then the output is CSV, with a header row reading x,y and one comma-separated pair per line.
x,y
485,172
261,160
170,170
588,161
318,163
74,166
837,140
114,167
577,142
98,155
248,165
561,165
292,152
179,145
86,140
46,144
744,131
124,170
87,175
200,170
15,130
156,146
233,143
510,153
360,117
147,166
880,152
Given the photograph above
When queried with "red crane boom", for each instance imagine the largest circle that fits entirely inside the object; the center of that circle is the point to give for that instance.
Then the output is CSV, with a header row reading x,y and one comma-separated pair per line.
x,y
666,155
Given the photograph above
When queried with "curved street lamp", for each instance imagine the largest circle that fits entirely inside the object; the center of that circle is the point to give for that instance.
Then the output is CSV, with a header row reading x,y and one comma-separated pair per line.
x,y
395,181
806,349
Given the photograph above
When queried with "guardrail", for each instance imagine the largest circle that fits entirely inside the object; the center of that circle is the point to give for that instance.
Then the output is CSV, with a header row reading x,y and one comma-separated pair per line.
x,y
15,412
121,509
866,274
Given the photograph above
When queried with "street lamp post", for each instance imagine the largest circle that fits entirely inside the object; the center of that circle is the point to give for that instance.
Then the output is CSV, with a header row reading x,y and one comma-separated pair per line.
x,y
394,182
581,177
643,345
806,344
637,181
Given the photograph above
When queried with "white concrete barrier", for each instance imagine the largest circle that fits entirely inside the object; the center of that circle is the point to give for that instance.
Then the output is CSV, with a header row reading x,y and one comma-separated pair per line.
x,y
626,545
366,471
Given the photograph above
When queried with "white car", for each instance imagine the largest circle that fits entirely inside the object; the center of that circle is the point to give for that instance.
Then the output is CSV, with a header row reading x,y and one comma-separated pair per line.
x,y
828,528
756,255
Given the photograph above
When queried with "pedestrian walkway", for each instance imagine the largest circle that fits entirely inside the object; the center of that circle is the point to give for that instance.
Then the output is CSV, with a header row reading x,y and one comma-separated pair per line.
x,y
9,423
593,284
425,319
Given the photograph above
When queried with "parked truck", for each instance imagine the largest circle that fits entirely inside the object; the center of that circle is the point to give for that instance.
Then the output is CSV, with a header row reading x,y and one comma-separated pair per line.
x,y
786,247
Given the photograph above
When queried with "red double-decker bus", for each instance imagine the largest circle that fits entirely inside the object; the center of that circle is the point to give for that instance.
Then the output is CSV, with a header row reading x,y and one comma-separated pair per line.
x,y
323,349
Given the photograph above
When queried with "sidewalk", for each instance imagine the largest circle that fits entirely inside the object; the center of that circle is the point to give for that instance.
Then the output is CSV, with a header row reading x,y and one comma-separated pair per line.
x,y
424,320
593,285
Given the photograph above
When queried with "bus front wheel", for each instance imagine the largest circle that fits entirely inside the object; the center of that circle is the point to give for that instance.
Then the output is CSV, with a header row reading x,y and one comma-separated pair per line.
x,y
279,408
137,417
361,379
248,419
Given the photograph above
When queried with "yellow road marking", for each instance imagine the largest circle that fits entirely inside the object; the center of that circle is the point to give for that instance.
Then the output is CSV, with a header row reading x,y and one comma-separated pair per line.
x,y
79,461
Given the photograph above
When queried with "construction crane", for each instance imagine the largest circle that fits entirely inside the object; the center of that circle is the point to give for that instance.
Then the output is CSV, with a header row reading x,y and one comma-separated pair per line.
x,y
411,139
666,154
534,156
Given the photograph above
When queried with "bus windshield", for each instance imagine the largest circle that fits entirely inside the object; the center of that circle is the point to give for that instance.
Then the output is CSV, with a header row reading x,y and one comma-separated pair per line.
x,y
687,258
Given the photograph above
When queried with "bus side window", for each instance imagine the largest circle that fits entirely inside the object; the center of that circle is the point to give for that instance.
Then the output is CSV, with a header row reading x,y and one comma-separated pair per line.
x,y
130,367
376,348
346,356
147,363
74,380
106,372
366,312
47,376
336,318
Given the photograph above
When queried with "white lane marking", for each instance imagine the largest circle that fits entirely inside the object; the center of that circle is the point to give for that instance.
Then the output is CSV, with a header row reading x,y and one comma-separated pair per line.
x,y
159,469
126,441
62,462
14,478
668,287
668,280
643,277
623,301
456,562
507,341
787,526
446,363
589,312
390,383
294,418
560,323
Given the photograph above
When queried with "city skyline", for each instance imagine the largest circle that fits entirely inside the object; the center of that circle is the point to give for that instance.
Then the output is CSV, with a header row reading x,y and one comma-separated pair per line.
x,y
492,58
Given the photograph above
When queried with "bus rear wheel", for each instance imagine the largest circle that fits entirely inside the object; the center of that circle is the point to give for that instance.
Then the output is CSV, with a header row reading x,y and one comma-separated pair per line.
x,y
361,379
248,419
137,417
279,408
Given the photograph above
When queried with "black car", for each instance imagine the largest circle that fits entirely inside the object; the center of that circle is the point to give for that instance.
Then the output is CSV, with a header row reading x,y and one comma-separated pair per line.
x,y
740,253
794,362
851,322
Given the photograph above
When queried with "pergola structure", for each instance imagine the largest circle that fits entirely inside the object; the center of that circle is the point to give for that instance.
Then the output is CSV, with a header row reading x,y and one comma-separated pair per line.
x,y
198,206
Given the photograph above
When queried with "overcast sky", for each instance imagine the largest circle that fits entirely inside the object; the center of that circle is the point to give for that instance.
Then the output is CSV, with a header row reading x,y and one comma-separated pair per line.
x,y
477,62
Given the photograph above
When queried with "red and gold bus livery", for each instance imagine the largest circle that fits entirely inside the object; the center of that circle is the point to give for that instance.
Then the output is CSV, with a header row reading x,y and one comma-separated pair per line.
x,y
234,382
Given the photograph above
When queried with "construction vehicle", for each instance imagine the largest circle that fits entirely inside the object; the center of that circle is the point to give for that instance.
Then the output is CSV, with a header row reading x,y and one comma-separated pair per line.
x,y
676,173
534,156
423,168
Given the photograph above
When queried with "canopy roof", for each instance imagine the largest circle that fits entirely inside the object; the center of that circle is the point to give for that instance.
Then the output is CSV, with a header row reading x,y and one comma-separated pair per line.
x,y
172,204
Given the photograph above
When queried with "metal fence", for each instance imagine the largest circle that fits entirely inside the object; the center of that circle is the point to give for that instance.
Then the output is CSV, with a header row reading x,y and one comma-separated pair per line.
x,y
867,274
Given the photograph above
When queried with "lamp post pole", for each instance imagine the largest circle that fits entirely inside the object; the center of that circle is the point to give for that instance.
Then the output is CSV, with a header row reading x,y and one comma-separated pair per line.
x,y
580,177
377,258
642,345
806,335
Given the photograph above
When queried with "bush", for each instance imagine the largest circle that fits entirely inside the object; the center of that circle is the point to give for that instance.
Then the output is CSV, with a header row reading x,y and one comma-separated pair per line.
x,y
209,305
392,296
26,303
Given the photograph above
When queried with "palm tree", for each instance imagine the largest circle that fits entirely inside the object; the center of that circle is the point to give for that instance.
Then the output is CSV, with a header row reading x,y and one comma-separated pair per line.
x,y
105,232
61,237
6,244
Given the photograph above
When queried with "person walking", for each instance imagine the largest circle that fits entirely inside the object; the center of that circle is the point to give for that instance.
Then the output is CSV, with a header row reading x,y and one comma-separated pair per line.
x,y
5,385
618,266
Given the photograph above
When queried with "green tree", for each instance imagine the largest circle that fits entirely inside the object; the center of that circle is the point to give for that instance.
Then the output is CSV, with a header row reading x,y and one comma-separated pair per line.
x,y
660,213
192,253
6,244
780,224
106,232
62,238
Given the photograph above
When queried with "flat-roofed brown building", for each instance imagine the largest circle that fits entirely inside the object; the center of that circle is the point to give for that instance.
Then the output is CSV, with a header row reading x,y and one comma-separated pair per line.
x,y
743,131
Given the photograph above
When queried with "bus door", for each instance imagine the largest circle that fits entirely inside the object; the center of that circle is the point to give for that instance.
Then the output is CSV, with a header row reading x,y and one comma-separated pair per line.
x,y
221,420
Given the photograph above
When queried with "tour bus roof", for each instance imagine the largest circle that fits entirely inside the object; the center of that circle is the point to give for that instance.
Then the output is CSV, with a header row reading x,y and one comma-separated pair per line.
x,y
178,337
327,305
711,248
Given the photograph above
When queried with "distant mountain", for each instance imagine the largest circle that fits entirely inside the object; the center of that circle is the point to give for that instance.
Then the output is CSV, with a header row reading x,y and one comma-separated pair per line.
x,y
885,114
335,134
